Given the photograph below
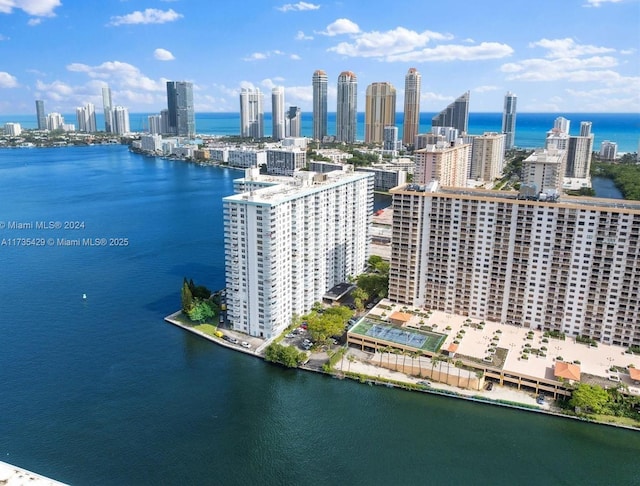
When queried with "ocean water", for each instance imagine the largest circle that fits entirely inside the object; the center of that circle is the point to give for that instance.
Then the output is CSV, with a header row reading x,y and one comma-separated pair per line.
x,y
102,391
531,128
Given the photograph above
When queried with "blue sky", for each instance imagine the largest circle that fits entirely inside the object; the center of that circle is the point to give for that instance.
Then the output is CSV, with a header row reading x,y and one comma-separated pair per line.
x,y
557,55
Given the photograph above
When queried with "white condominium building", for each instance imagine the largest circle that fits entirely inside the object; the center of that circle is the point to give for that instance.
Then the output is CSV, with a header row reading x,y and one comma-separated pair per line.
x,y
444,162
544,170
288,243
487,156
570,265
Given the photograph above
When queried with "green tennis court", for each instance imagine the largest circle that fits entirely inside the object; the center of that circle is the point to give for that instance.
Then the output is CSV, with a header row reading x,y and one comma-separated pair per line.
x,y
427,341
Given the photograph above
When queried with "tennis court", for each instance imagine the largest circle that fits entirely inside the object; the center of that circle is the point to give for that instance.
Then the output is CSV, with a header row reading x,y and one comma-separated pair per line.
x,y
428,341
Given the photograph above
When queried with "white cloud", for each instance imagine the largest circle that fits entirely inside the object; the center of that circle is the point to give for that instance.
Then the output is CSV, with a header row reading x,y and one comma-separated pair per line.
x,y
300,6
268,83
120,73
34,22
485,88
148,16
380,44
7,80
3,37
552,70
405,45
301,36
294,57
260,56
455,52
597,3
561,48
341,26
256,56
37,8
163,55
57,90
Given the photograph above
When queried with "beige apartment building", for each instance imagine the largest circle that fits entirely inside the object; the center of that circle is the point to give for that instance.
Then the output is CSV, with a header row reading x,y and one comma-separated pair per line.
x,y
447,162
571,265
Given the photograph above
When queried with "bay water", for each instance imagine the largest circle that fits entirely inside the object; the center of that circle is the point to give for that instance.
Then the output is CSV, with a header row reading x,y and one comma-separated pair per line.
x,y
102,391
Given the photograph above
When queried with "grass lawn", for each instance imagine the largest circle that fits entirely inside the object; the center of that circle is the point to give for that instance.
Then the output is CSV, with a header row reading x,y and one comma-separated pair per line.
x,y
616,420
206,329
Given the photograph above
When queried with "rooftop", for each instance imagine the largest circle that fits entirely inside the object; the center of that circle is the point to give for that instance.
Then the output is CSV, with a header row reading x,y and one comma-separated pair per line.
x,y
578,201
522,350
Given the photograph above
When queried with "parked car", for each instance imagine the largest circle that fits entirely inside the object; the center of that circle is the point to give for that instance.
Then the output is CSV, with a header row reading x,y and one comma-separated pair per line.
x,y
424,383
489,386
290,335
230,339
245,344
540,399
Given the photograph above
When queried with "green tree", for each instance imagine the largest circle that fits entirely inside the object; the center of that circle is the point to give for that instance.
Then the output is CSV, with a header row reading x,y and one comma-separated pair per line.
x,y
285,355
187,297
201,311
590,398
360,296
330,323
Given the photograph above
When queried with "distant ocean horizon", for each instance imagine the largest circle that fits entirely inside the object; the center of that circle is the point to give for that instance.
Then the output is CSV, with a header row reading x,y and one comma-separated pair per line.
x,y
531,128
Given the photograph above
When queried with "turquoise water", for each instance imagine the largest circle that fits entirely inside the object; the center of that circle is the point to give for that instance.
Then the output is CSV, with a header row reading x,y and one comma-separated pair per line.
x,y
102,391
531,128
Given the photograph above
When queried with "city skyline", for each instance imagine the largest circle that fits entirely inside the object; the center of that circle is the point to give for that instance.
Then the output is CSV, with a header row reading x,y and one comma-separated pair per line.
x,y
553,66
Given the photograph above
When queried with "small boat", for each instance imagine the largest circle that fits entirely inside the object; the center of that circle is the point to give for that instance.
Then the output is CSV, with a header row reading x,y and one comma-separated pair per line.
x,y
84,296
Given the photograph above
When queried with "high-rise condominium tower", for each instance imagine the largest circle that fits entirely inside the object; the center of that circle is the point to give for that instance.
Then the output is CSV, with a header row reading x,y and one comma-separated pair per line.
x,y
487,156
445,162
293,121
277,113
455,115
411,125
287,244
251,113
86,116
107,106
120,120
579,153
509,120
42,117
561,265
319,104
346,121
380,111
182,120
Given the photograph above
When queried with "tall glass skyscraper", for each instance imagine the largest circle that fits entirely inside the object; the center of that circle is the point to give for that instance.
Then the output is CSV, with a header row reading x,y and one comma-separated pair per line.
x,y
108,110
319,104
251,113
182,119
455,115
42,118
294,121
347,107
509,120
411,125
277,112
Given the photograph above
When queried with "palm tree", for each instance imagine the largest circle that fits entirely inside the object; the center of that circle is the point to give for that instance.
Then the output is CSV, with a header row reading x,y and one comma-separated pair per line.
x,y
351,359
458,364
434,361
404,358
418,355
479,374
